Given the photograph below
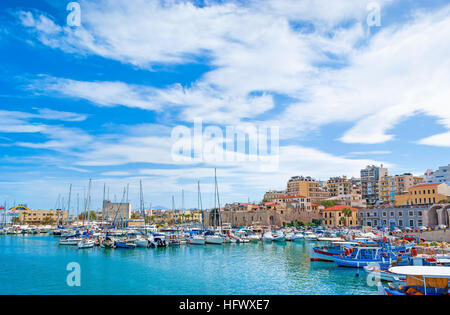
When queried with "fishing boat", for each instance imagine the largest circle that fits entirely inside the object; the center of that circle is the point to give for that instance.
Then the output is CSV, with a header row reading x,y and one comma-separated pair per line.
x,y
420,280
290,237
254,238
267,237
298,237
310,236
325,253
125,243
363,256
86,243
108,242
158,240
279,237
142,242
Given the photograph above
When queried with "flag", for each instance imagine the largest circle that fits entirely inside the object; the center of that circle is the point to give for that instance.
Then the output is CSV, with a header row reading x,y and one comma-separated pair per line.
x,y
2,208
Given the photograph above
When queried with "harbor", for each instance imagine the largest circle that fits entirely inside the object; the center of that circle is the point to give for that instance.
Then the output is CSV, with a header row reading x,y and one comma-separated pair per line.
x,y
244,261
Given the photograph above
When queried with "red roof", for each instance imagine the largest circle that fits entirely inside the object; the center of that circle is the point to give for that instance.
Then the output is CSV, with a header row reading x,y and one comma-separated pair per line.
x,y
427,185
340,208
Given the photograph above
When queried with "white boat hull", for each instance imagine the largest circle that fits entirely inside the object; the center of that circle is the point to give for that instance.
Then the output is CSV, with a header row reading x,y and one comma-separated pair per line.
x,y
197,241
279,239
214,240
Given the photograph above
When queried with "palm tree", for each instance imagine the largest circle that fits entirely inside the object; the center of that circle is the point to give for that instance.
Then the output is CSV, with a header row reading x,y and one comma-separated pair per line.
x,y
347,214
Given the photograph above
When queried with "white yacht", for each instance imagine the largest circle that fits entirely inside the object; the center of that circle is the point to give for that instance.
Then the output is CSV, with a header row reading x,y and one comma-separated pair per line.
x,y
86,243
197,240
214,239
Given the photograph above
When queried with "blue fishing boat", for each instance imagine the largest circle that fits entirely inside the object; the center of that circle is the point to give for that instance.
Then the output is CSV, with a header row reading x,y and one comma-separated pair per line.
x,y
363,256
125,243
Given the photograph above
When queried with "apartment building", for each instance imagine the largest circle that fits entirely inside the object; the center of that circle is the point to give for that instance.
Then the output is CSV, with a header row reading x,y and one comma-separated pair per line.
x,y
116,211
308,187
390,186
42,217
271,195
428,194
442,175
370,177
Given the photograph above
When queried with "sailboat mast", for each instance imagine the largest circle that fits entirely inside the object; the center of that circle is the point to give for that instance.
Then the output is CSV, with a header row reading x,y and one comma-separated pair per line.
x,y
200,206
68,202
218,198
174,212
142,207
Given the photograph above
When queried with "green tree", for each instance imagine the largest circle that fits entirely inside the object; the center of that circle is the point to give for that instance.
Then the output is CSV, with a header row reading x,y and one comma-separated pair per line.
x,y
328,203
347,214
92,216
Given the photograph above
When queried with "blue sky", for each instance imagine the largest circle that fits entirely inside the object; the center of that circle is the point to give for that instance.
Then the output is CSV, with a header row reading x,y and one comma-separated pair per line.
x,y
101,100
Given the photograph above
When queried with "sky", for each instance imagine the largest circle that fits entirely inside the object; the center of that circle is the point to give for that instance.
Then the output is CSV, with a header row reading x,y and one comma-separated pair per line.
x,y
113,90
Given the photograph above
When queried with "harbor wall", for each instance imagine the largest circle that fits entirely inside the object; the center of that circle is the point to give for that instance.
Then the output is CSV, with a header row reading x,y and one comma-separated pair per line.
x,y
438,236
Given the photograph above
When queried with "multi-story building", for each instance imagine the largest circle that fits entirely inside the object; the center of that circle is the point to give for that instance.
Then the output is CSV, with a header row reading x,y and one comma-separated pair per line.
x,y
116,211
370,177
308,187
345,191
301,202
338,186
392,217
442,175
271,195
40,217
336,216
424,194
390,186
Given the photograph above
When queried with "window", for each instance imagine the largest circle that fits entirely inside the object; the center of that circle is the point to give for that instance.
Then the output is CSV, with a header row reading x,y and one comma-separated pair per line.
x,y
384,214
400,214
400,222
411,213
419,213
392,213
411,223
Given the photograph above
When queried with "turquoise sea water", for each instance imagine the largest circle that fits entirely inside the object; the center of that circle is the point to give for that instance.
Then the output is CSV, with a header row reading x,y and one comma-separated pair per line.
x,y
37,265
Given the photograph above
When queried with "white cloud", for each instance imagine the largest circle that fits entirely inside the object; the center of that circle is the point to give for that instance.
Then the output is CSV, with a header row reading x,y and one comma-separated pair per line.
x,y
439,140
403,71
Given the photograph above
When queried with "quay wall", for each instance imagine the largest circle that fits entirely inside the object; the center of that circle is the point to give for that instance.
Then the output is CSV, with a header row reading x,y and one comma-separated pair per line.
x,y
438,236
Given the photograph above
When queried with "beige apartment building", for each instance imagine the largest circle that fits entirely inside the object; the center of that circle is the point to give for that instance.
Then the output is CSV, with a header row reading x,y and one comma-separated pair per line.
x,y
307,187
116,211
338,186
391,186
42,217
271,195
